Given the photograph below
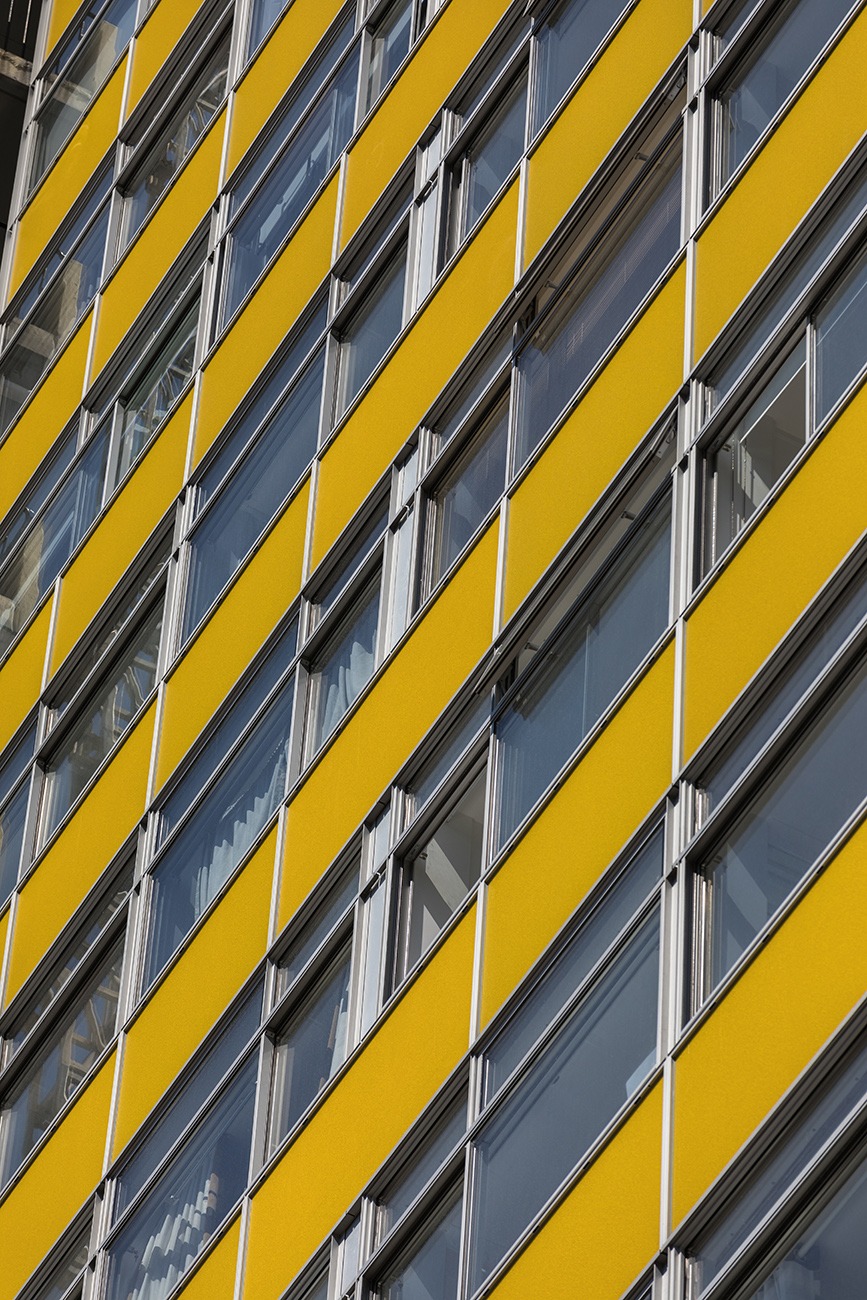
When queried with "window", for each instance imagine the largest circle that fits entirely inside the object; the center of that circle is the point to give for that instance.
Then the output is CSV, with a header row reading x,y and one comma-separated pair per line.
x,y
63,1279
565,44
15,769
371,329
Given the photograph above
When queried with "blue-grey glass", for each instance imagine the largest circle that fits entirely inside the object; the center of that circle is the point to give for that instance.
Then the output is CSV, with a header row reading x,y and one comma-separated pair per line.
x,y
423,785
615,627
75,79
829,1259
56,315
15,759
492,158
49,475
253,495
289,186
190,1200
317,929
210,1067
791,288
760,89
423,1164
470,492
239,436
244,705
566,43
595,1063
812,793
51,539
783,694
371,332
446,428
389,46
218,836
69,1264
562,354
312,1050
345,669
263,16
52,1077
431,1271
841,339
359,550
757,1195
573,965
12,822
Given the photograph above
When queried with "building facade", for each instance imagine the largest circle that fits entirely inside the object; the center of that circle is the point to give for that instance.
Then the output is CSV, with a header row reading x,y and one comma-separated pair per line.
x,y
433,652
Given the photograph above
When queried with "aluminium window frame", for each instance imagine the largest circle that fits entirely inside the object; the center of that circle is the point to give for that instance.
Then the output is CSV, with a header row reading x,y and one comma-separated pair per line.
x,y
26,776
80,1227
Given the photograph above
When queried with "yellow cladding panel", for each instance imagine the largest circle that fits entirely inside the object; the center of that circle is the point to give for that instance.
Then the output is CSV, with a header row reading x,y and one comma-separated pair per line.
x,y
407,1060
165,25
431,351
596,440
260,596
593,120
441,57
624,773
215,1280
758,596
205,979
275,67
403,704
121,533
770,1025
821,129
152,255
267,318
81,852
59,1181
53,403
580,1240
62,14
62,185
21,674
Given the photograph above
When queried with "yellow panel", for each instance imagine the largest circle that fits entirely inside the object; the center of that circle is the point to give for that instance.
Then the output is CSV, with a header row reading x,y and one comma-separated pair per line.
x,y
164,27
403,704
771,1023
439,339
59,1181
260,596
152,255
265,321
821,129
82,850
596,440
215,1280
121,533
580,1239
21,674
52,405
594,119
625,772
761,592
374,1104
64,182
275,68
205,979
414,99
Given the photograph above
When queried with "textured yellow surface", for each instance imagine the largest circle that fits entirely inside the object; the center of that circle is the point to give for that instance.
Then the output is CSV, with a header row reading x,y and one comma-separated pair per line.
x,y
21,674
163,28
215,1280
408,1058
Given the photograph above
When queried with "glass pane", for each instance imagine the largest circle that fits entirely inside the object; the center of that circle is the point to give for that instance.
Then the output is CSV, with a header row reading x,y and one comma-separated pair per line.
x,y
224,827
15,760
570,343
12,822
574,684
263,16
439,877
488,162
389,46
423,785
175,143
748,106
574,965
343,672
470,492
768,851
371,332
446,428
400,1194
431,1270
757,452
71,1262
317,929
48,476
567,42
192,1198
579,1083
841,330
253,495
312,1050
374,914
358,551
62,1067
95,733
